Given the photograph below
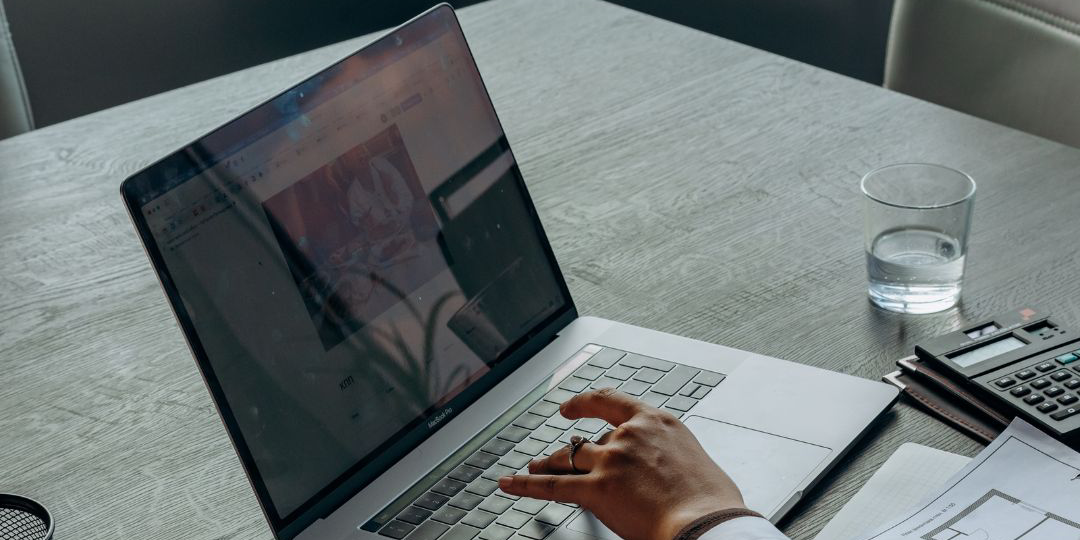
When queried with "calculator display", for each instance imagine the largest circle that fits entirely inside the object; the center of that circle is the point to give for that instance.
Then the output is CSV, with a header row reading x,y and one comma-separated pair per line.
x,y
987,350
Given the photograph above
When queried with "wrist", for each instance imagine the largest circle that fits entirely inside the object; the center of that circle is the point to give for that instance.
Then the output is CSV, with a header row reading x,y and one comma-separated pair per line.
x,y
682,516
696,528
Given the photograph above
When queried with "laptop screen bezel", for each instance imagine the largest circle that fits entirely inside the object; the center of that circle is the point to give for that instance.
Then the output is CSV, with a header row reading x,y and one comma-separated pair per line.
x,y
153,180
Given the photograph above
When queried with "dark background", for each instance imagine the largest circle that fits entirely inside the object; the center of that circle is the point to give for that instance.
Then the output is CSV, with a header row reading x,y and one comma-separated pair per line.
x,y
79,57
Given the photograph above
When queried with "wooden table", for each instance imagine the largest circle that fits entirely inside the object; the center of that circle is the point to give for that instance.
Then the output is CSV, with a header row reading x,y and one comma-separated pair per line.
x,y
687,183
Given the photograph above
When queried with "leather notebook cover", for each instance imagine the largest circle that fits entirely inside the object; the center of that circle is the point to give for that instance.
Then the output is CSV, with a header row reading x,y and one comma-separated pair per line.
x,y
937,394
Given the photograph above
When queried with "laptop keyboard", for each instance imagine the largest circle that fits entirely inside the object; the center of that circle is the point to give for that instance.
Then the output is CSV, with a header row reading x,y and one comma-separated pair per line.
x,y
466,504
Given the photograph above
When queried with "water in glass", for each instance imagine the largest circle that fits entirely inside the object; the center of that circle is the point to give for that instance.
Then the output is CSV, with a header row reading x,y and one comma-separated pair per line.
x,y
915,270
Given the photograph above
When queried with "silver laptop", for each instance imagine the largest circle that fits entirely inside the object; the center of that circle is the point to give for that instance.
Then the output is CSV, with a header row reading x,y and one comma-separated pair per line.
x,y
367,290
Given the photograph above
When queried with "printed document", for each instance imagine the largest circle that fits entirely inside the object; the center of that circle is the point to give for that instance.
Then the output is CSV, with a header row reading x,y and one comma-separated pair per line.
x,y
1024,486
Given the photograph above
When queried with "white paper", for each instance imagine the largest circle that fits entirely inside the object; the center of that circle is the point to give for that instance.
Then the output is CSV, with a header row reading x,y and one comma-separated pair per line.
x,y
905,479
1024,486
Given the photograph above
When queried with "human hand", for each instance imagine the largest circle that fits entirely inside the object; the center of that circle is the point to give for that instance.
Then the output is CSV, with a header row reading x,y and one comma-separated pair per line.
x,y
646,480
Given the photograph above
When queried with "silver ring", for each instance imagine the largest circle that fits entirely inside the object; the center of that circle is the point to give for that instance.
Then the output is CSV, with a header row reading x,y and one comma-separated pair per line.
x,y
576,442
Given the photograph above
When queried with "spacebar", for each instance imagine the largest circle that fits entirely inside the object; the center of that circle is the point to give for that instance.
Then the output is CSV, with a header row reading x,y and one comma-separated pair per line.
x,y
674,380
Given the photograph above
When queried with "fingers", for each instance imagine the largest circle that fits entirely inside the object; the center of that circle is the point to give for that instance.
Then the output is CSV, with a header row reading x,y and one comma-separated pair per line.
x,y
561,488
559,461
607,403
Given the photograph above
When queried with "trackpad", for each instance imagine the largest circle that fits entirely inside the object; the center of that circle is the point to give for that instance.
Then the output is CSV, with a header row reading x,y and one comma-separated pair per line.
x,y
766,467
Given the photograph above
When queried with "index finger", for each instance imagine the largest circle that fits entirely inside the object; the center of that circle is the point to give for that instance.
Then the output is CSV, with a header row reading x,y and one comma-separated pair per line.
x,y
549,487
607,404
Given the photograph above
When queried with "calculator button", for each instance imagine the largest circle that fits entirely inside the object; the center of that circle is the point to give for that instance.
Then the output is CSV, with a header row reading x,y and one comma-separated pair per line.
x,y
1066,358
1072,384
1047,407
1065,413
1020,391
1033,399
1039,384
1061,376
1025,375
1044,367
1005,382
1053,391
1067,399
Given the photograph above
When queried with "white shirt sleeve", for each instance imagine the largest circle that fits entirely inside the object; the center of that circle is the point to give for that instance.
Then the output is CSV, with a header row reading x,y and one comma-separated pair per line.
x,y
744,528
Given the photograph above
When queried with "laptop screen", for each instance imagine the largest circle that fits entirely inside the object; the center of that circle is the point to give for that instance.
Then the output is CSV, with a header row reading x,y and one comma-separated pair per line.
x,y
349,258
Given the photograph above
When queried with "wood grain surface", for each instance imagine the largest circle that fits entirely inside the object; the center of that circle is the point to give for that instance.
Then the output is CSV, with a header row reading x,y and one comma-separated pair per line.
x,y
687,183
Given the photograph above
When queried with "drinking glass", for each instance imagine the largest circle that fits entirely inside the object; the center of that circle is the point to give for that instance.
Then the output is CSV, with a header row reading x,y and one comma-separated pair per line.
x,y
917,219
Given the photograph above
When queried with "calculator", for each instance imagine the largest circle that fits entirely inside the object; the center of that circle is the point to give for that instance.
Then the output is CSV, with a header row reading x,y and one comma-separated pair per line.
x,y
1023,362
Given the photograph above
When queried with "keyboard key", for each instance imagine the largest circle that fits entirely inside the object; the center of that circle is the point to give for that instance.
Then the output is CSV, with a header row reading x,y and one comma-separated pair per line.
x,y
689,389
465,473
513,434
531,447
1065,413
605,382
658,364
545,408
1020,391
565,437
588,372
1025,374
479,519
560,423
496,505
529,421
633,361
554,514
620,372
1067,399
1006,382
1046,407
1077,369
396,529
497,471
448,487
449,515
1039,384
680,403
513,519
515,460
482,487
1066,358
573,384
530,506
414,515
537,530
466,501
1053,391
1061,376
481,460
461,532
1045,366
558,396
590,425
496,532
675,412
649,375
1034,399
546,434
553,447
499,447
654,399
701,392
675,380
634,388
431,500
1072,384
430,530
708,378
606,358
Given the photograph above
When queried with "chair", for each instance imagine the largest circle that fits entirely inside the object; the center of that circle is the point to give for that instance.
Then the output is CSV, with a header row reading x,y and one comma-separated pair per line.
x,y
15,114
1015,62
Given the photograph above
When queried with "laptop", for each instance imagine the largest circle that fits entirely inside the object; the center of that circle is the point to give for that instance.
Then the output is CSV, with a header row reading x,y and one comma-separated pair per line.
x,y
369,295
